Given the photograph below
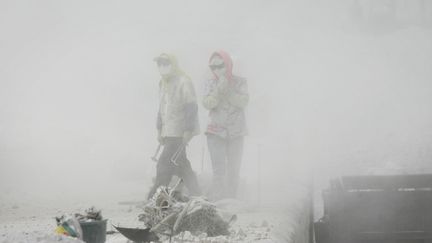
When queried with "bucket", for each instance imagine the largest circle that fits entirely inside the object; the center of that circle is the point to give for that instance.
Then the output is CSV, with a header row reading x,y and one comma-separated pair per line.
x,y
94,231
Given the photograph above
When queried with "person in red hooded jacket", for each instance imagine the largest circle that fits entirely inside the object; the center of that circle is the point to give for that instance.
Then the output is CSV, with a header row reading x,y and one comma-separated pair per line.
x,y
226,97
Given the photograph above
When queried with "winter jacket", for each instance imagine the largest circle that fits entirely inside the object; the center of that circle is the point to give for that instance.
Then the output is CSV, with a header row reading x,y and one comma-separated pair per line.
x,y
226,109
178,109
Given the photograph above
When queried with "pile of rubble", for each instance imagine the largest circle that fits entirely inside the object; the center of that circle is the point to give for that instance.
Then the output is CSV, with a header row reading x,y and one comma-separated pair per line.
x,y
169,213
75,225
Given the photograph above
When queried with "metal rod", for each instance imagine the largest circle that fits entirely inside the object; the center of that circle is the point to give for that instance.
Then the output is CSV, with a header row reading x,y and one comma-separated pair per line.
x,y
176,186
154,157
202,158
176,155
311,208
259,174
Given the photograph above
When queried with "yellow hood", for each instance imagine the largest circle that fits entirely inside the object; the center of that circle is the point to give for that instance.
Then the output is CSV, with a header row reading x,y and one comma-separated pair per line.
x,y
177,71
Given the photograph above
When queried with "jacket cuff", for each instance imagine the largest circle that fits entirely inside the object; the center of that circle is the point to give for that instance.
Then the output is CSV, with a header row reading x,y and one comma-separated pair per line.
x,y
191,114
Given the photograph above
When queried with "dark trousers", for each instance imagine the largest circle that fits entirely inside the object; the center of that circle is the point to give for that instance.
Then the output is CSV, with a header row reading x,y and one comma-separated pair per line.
x,y
165,169
226,156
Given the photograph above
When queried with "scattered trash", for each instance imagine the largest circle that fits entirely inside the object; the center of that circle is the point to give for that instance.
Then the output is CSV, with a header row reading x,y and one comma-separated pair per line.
x,y
169,213
91,215
68,225
90,227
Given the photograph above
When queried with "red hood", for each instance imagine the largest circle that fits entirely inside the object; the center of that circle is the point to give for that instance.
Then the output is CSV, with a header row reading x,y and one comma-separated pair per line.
x,y
227,60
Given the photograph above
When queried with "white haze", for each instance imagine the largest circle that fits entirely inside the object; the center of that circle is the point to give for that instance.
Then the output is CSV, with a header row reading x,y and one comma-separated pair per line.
x,y
79,89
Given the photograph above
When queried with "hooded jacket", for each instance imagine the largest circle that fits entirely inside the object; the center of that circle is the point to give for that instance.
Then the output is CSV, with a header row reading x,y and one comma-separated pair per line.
x,y
226,108
178,109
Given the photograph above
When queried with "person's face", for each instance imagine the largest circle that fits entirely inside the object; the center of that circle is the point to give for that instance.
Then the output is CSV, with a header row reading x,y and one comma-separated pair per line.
x,y
218,67
165,67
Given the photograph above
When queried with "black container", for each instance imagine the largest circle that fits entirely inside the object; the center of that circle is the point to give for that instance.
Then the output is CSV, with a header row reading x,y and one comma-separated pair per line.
x,y
94,231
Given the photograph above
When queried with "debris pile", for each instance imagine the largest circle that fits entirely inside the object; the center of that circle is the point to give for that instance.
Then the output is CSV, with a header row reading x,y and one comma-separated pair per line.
x,y
68,225
169,213
91,214
72,225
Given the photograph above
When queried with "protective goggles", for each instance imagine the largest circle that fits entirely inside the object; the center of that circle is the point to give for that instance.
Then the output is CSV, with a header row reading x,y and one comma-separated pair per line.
x,y
163,62
214,67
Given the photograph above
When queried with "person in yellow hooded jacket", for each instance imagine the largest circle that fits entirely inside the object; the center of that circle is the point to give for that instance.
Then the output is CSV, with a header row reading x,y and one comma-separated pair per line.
x,y
177,124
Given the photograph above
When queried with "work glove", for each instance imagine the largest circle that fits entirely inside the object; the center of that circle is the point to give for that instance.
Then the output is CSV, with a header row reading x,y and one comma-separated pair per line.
x,y
223,85
187,136
160,139
210,102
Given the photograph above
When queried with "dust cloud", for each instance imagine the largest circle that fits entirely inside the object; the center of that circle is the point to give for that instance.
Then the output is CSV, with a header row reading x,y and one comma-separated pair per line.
x,y
333,90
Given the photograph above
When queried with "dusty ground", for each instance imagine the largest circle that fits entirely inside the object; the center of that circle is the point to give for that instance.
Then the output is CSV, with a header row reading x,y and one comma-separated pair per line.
x,y
26,218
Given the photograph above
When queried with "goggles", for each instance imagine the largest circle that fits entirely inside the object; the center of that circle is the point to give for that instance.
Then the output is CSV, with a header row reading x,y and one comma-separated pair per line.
x,y
215,67
163,62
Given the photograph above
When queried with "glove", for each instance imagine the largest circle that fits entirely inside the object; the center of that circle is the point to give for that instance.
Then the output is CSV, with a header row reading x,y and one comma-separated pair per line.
x,y
160,139
223,85
187,136
210,102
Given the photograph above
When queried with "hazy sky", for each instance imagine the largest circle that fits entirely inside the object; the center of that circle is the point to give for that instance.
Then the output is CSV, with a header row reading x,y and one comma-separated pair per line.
x,y
78,87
